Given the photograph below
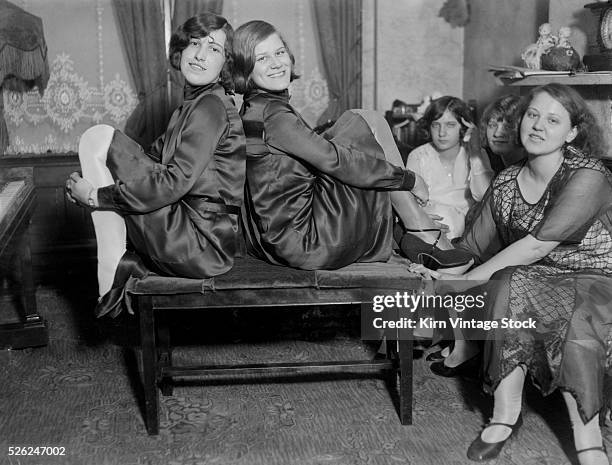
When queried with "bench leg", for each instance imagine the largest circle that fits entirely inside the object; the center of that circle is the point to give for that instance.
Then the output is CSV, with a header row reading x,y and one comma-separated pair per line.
x,y
164,352
149,363
405,348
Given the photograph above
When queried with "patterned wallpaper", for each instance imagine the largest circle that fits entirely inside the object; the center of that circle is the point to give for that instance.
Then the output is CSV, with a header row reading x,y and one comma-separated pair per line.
x,y
90,83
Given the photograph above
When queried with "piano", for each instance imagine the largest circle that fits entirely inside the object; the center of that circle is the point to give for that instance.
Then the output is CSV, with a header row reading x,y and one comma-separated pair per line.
x,y
17,202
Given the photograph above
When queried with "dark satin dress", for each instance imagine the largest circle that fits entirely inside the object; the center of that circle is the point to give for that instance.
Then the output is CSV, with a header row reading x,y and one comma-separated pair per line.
x,y
315,202
181,202
567,293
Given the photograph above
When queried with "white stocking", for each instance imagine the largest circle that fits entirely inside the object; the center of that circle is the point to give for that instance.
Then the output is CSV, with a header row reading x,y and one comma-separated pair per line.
x,y
111,235
585,435
404,203
507,408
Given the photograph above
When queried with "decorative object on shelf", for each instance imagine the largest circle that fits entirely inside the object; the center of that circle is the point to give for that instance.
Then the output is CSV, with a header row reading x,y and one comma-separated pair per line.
x,y
600,59
455,12
23,56
533,53
562,56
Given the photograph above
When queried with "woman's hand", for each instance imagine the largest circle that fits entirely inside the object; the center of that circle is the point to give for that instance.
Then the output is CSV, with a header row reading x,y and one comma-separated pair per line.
x,y
444,282
420,190
79,190
472,132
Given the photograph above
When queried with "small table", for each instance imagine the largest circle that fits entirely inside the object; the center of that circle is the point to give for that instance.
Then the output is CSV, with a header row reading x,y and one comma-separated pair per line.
x,y
17,203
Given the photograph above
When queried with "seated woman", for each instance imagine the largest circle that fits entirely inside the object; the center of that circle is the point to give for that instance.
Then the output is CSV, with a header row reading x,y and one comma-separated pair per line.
x,y
181,200
498,135
455,177
542,238
318,201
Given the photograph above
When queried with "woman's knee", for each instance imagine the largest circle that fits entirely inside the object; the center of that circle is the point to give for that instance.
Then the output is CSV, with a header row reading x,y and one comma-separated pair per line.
x,y
96,136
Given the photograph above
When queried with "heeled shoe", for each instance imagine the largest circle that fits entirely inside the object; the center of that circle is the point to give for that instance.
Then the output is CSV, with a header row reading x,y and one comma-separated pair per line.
x,y
480,451
435,356
109,304
469,368
419,251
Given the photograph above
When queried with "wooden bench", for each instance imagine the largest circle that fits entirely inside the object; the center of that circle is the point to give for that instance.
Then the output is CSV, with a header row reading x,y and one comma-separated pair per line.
x,y
254,283
17,202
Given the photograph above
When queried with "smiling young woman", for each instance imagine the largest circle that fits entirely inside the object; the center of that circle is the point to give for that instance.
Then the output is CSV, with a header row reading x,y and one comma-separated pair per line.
x,y
178,202
542,241
320,201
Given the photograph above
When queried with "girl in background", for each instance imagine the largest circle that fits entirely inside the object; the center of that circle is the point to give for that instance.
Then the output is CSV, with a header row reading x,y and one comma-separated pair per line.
x,y
454,177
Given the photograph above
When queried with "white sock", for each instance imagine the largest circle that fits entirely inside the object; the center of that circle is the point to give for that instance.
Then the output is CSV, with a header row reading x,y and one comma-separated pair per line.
x,y
585,435
508,399
111,234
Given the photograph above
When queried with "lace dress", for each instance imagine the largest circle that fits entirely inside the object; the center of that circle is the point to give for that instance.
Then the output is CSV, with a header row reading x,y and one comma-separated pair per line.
x,y
568,293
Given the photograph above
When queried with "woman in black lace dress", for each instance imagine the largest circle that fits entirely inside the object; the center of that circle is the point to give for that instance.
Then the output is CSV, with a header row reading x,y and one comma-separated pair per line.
x,y
542,238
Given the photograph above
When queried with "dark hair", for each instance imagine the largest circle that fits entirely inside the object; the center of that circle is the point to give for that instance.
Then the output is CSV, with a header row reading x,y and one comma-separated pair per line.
x,y
589,138
436,109
246,38
197,27
502,109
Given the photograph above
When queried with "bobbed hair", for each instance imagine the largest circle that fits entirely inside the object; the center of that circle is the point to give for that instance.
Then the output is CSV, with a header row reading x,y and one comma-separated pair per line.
x,y
502,109
197,27
246,38
589,138
457,107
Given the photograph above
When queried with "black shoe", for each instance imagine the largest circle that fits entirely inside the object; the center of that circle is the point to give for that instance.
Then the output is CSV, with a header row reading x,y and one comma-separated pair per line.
x,y
129,266
468,368
419,251
435,356
480,451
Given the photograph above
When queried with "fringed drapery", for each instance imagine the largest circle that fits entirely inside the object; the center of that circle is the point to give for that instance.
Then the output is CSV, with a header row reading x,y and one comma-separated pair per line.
x,y
23,56
140,24
183,10
339,27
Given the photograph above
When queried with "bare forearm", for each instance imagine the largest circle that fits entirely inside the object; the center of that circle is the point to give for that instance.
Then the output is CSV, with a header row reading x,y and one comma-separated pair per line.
x,y
523,252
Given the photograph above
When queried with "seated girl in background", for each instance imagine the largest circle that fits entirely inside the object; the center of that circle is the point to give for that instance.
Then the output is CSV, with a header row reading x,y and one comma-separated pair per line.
x,y
455,178
181,200
319,201
498,133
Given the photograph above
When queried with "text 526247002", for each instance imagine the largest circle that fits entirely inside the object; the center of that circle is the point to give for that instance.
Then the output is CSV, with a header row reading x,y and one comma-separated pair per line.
x,y
36,450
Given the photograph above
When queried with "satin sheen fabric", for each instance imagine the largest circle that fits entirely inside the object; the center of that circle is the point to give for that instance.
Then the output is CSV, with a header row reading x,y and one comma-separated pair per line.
x,y
181,201
315,201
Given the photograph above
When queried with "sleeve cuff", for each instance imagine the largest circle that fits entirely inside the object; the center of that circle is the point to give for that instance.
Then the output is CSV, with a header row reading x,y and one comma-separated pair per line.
x,y
408,181
105,197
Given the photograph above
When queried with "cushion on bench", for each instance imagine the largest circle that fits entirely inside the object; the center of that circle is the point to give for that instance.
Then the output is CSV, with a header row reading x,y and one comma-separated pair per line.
x,y
252,273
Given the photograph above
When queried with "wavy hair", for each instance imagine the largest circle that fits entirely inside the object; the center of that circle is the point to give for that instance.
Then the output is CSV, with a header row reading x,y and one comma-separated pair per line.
x,y
503,109
589,138
246,38
197,27
457,107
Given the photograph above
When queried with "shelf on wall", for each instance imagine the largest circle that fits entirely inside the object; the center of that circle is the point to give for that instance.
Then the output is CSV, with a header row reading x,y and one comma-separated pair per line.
x,y
580,79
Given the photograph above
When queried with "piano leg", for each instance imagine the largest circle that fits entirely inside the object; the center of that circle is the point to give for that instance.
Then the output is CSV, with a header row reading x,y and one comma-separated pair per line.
x,y
31,331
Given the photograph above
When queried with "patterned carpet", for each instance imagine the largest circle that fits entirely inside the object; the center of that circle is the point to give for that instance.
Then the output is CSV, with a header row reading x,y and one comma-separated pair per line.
x,y
77,394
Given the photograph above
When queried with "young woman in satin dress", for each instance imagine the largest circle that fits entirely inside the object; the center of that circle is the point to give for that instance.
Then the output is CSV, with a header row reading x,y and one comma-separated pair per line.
x,y
321,201
179,202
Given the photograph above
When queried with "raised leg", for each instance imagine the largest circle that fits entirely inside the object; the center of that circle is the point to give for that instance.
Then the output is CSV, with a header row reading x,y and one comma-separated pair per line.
x,y
404,203
111,235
